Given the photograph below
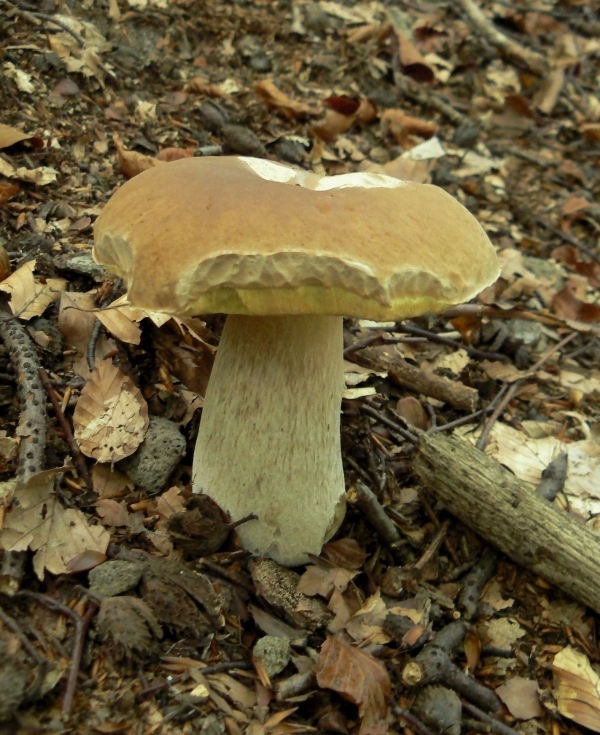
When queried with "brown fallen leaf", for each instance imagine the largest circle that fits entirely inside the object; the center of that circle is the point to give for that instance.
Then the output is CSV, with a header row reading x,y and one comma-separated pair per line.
x,y
521,698
341,113
569,256
4,264
133,163
112,512
175,154
577,688
111,415
108,482
345,552
401,126
40,523
7,189
412,62
9,136
566,304
275,99
359,677
29,297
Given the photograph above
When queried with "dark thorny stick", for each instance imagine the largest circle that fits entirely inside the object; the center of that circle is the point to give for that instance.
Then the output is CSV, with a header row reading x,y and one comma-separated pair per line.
x,y
78,457
81,625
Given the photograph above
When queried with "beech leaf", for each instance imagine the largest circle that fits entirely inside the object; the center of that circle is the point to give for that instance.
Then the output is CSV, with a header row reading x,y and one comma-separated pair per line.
x,y
359,677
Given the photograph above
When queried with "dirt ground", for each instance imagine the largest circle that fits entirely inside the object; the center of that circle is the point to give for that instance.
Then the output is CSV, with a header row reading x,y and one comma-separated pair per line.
x,y
126,604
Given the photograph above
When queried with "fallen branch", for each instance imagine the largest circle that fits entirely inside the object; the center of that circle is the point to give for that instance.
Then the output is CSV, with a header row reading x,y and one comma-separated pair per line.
x,y
510,515
433,665
533,61
32,400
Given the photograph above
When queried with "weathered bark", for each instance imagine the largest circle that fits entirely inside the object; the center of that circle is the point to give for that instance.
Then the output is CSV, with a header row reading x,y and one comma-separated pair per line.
x,y
511,516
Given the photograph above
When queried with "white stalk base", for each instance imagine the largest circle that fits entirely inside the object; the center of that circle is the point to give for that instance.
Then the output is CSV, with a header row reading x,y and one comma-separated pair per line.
x,y
269,439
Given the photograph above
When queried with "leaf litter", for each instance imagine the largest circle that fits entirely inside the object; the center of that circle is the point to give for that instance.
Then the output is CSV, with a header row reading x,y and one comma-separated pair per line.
x,y
334,87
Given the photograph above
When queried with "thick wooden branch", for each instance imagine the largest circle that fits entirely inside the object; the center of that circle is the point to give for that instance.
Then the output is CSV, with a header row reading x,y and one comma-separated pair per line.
x,y
511,516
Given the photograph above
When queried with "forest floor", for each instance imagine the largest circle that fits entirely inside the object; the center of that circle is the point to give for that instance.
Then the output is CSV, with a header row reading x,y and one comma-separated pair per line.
x,y
134,609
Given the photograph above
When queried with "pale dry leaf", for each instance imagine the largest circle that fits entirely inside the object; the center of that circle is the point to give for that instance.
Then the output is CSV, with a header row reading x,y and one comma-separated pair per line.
x,y
577,688
492,595
29,298
359,677
133,163
170,502
318,581
108,482
41,524
275,99
501,632
455,361
112,512
120,323
521,698
527,458
9,136
367,623
111,415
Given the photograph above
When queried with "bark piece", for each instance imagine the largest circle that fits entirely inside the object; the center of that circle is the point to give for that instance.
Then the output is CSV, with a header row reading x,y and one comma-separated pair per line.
x,y
511,516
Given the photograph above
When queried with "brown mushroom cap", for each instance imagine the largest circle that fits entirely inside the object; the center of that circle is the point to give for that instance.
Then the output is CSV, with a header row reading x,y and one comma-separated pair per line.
x,y
248,236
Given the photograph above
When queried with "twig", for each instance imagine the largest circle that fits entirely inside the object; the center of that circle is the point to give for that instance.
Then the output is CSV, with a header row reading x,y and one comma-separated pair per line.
x,y
533,61
210,669
374,413
495,725
81,626
433,337
410,719
475,581
78,457
433,665
14,626
482,440
379,339
36,17
508,396
434,546
375,513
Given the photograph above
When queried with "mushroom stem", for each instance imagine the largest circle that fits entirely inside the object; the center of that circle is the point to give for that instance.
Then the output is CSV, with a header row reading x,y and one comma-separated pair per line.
x,y
269,439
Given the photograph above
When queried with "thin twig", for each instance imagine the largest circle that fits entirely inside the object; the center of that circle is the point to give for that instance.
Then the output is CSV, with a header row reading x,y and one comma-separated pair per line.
x,y
433,337
508,396
78,457
533,61
411,720
374,413
81,626
495,725
14,626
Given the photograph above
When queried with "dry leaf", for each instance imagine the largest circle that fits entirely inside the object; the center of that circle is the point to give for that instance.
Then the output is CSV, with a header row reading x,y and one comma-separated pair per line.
x,y
275,99
133,163
170,502
566,304
577,688
108,482
411,410
41,176
29,298
521,697
318,581
345,552
412,62
501,633
175,154
9,136
401,126
367,622
111,415
341,114
359,677
40,523
120,323
112,512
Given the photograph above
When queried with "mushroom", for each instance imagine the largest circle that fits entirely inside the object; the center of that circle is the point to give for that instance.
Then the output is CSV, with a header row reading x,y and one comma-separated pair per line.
x,y
286,254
